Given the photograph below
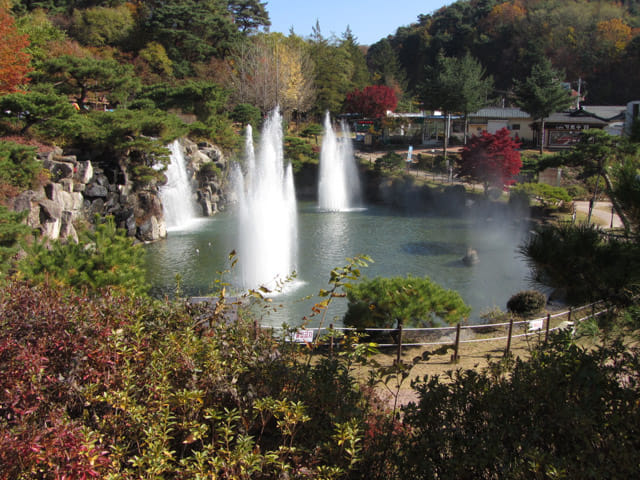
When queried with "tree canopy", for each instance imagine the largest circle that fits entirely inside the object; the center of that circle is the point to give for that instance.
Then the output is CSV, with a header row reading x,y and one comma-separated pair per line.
x,y
541,94
14,60
491,159
410,301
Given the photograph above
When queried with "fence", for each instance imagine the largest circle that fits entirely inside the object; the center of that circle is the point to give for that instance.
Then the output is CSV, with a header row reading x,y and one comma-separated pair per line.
x,y
455,336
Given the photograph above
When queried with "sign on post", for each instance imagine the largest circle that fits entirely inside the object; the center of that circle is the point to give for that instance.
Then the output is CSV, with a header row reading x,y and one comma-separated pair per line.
x,y
303,336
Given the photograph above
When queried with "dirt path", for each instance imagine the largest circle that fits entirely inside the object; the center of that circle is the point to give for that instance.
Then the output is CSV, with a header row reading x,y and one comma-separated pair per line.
x,y
472,356
602,214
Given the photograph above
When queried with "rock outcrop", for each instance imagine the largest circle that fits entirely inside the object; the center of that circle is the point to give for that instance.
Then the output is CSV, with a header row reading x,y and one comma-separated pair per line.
x,y
81,189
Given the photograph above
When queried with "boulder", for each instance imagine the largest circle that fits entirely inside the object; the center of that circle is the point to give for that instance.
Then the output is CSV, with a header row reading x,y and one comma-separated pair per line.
x,y
84,172
152,229
471,257
67,230
95,190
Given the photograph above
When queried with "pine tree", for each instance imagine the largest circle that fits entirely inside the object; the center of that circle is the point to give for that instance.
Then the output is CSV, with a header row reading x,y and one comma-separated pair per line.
x,y
541,94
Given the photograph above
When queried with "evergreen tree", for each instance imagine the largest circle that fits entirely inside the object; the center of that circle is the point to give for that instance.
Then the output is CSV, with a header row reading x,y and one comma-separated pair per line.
x,y
103,257
541,94
13,232
384,302
81,76
360,77
456,85
249,15
32,108
333,72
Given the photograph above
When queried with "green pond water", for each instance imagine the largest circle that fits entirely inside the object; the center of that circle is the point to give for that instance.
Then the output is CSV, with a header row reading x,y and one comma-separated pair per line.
x,y
399,244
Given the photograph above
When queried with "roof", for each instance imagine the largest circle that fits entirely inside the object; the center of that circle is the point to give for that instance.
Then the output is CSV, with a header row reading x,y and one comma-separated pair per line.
x,y
604,112
500,113
569,117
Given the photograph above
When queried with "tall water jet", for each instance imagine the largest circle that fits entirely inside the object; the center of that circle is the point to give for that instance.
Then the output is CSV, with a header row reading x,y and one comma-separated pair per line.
x,y
177,194
267,210
338,185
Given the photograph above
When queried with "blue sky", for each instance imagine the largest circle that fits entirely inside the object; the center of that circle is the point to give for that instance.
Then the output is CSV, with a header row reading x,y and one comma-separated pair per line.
x,y
369,20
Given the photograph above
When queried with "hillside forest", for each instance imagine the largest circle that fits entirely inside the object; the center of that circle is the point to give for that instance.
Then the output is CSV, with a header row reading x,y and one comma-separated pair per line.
x,y
101,380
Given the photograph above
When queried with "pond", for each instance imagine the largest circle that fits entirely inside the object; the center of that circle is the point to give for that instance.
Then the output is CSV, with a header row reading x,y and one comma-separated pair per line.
x,y
399,244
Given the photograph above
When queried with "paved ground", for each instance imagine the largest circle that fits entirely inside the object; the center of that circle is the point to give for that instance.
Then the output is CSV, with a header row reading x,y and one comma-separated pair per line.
x,y
602,214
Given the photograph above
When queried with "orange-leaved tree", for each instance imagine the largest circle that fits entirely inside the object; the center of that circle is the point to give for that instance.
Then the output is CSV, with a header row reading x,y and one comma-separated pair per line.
x,y
14,61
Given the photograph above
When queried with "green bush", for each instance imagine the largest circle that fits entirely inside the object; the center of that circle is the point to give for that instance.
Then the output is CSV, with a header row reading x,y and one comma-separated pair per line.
x,y
18,165
390,161
245,114
577,191
527,303
413,301
209,170
103,257
518,198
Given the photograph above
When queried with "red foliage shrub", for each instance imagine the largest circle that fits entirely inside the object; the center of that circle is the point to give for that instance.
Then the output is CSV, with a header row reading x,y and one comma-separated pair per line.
x,y
492,159
372,101
51,342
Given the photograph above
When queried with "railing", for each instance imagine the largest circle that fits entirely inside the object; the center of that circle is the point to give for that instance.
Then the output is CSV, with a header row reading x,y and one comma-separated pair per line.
x,y
401,337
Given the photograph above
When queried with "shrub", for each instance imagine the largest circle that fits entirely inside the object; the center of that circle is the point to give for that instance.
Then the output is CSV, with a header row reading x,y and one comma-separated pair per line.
x,y
550,416
245,113
413,301
527,303
390,161
103,257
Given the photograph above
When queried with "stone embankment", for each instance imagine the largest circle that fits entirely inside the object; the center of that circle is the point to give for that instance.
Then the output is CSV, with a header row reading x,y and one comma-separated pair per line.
x,y
80,189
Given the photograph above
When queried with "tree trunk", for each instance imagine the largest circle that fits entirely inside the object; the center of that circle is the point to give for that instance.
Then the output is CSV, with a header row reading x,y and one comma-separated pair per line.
x,y
541,136
616,205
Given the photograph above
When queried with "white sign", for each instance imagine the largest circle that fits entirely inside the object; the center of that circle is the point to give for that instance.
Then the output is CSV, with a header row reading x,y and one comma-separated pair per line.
x,y
303,336
409,153
535,324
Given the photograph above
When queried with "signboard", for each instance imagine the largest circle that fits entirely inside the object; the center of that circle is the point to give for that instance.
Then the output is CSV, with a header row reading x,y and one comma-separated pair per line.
x,y
303,336
535,324
409,153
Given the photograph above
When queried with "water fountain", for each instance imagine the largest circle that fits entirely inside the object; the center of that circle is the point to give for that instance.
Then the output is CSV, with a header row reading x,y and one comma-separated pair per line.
x,y
266,210
177,195
338,185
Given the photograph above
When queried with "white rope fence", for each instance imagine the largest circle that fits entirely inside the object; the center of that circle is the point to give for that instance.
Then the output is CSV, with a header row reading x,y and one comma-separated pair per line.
x,y
533,327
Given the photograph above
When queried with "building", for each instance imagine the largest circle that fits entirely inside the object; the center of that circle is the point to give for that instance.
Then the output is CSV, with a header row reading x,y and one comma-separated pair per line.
x,y
631,114
562,129
492,119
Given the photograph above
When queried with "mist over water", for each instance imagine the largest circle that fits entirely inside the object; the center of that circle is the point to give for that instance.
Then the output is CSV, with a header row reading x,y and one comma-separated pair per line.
x,y
266,210
399,243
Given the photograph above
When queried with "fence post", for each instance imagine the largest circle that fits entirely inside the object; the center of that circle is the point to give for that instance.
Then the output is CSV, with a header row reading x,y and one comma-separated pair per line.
x,y
456,345
546,333
399,355
506,352
331,341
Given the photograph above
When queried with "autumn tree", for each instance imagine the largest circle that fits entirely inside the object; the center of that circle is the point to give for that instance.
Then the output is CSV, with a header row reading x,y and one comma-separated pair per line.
x,y
492,159
14,61
541,94
272,70
371,101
